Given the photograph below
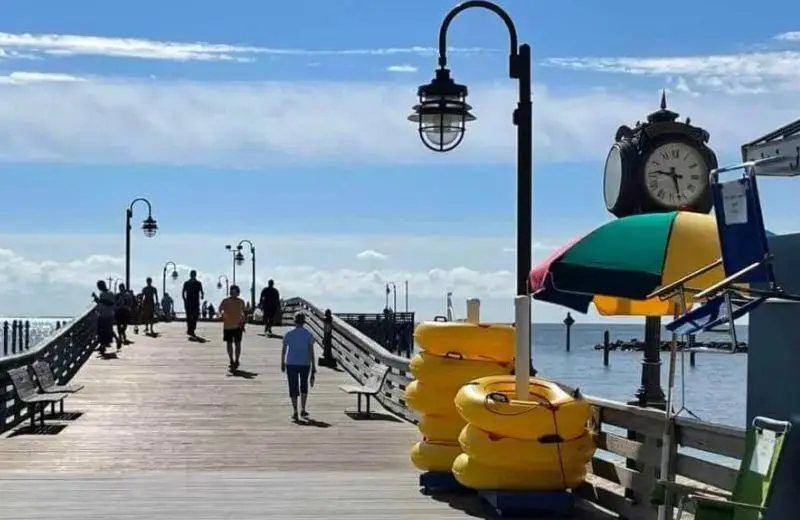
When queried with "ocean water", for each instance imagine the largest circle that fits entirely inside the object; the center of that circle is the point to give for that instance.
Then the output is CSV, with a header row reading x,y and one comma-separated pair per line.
x,y
714,389
40,329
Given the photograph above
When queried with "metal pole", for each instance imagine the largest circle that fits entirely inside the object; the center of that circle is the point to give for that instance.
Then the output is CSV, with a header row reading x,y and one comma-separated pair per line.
x,y
233,262
128,215
253,281
650,393
394,290
164,281
406,284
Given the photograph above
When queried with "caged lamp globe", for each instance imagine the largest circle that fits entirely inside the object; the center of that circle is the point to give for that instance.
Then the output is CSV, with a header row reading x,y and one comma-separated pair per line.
x,y
442,113
149,227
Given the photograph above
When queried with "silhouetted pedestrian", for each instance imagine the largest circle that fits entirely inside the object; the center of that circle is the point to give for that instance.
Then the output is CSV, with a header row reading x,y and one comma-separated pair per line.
x,y
270,305
106,307
192,294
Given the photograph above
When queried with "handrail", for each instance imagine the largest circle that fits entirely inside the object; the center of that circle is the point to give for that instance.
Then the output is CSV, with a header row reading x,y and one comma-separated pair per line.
x,y
65,351
672,288
624,470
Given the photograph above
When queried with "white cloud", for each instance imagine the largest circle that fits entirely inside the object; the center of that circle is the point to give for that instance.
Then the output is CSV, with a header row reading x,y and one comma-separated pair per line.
x,y
791,36
740,73
65,268
16,45
20,78
370,254
253,124
401,68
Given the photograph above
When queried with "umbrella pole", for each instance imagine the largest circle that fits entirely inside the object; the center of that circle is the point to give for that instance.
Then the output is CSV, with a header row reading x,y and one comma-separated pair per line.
x,y
665,511
522,361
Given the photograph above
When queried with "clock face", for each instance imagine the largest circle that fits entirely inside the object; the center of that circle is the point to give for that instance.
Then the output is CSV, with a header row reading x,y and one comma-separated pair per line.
x,y
676,174
612,177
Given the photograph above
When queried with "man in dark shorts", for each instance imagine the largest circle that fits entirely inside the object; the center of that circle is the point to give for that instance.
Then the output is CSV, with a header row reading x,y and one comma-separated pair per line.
x,y
269,304
125,303
149,304
192,295
233,317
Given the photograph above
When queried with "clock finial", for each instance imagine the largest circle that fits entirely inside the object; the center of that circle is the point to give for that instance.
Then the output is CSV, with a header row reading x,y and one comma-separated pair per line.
x,y
664,114
663,99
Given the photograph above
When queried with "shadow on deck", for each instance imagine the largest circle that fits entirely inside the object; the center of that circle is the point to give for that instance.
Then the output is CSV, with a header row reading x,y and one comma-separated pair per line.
x,y
167,432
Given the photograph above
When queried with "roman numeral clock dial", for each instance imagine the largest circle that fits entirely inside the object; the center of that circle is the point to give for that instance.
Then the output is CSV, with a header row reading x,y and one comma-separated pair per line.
x,y
676,175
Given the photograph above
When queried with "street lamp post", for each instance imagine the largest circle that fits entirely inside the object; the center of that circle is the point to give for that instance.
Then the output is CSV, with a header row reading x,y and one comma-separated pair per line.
x,y
116,283
227,284
391,287
237,258
406,294
174,276
253,264
442,115
149,228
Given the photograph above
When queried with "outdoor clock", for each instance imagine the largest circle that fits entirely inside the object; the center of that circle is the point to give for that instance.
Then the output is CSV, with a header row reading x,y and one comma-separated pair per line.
x,y
619,178
675,175
658,166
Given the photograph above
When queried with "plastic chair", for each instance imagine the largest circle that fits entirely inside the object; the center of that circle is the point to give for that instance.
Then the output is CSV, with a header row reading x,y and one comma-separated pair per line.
x,y
746,259
750,497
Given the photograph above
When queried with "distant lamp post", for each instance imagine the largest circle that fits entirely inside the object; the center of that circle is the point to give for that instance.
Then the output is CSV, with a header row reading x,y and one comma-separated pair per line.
x,y
406,294
174,276
117,280
237,258
227,284
253,265
442,116
149,228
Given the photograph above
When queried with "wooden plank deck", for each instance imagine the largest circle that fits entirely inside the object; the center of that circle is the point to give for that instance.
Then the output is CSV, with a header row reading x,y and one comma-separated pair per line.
x,y
166,432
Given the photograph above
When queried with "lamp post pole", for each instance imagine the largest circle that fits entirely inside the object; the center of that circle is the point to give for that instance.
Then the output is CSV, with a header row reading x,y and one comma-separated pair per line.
x,y
235,254
253,265
149,227
174,276
442,115
227,284
406,294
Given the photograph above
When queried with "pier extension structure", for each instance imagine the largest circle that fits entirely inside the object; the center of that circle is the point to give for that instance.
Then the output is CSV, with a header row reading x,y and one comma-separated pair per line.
x,y
164,431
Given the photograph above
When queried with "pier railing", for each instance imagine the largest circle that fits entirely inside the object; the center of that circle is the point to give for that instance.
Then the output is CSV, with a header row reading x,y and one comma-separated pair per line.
x,y
629,438
66,351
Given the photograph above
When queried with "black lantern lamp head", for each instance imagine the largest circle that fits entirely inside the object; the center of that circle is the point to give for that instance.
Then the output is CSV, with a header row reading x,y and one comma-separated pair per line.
x,y
149,227
442,113
174,274
238,258
219,285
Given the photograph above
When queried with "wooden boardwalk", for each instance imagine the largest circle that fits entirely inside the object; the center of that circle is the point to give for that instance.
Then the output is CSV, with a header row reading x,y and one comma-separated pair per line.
x,y
166,432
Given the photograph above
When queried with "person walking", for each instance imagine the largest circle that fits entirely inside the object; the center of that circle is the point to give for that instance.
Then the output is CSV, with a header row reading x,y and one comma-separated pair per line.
x,y
106,306
297,362
232,311
124,310
192,295
269,303
149,304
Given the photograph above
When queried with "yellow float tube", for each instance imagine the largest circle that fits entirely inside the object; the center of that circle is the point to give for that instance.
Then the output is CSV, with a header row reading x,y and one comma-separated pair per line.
x,y
550,410
479,341
452,369
427,399
441,428
525,455
476,475
430,456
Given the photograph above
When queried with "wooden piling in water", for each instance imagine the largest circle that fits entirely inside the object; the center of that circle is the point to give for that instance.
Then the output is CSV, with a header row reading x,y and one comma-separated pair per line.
x,y
606,347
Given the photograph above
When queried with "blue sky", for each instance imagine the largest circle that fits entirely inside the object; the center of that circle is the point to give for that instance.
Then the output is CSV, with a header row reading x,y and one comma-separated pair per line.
x,y
285,122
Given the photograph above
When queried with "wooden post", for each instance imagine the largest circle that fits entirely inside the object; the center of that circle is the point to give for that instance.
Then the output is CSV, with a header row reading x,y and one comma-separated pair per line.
x,y
606,347
568,322
692,353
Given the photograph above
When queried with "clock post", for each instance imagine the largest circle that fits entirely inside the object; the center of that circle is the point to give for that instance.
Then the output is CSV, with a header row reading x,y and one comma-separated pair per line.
x,y
660,165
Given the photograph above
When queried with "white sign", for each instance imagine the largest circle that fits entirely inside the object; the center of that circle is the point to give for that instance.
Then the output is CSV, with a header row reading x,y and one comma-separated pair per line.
x,y
762,454
734,202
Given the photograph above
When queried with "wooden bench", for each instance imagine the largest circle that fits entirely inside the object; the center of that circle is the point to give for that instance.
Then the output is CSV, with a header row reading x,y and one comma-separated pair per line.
x,y
47,381
370,388
27,393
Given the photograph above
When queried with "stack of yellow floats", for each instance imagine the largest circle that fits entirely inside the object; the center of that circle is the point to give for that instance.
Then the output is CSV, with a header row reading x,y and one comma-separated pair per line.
x,y
541,444
453,354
